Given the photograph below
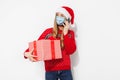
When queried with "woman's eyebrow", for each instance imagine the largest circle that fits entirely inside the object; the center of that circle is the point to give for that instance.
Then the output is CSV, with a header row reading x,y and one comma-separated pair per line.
x,y
62,15
56,13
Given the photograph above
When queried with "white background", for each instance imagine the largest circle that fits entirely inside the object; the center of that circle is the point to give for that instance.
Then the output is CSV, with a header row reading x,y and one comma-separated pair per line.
x,y
97,36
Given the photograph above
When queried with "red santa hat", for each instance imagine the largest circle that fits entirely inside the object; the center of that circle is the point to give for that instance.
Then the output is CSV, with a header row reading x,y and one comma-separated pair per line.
x,y
68,12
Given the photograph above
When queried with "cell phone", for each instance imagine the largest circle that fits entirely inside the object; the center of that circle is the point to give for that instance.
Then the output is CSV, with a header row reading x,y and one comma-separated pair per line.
x,y
68,20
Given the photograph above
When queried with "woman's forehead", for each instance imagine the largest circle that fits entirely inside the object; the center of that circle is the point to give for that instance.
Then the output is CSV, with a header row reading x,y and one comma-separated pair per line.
x,y
60,14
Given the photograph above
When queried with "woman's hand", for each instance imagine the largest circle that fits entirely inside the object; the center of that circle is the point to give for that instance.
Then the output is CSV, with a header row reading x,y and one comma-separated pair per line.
x,y
66,27
30,56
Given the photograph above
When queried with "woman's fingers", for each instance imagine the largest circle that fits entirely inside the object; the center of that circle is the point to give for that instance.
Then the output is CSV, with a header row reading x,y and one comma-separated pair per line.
x,y
31,51
63,24
32,59
33,56
27,54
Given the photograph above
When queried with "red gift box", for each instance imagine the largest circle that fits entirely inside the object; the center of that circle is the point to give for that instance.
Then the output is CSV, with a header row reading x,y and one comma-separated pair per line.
x,y
46,49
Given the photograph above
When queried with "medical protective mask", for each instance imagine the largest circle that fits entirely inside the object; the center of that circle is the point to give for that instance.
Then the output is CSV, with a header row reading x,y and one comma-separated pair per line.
x,y
60,20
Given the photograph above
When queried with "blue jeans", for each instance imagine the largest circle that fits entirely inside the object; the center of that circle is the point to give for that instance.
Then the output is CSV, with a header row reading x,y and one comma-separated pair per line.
x,y
62,75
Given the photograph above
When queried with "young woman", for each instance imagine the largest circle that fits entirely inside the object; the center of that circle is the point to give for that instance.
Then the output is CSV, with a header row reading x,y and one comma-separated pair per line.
x,y
59,68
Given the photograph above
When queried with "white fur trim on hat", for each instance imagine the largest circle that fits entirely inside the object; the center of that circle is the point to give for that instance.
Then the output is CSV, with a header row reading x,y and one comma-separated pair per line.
x,y
64,11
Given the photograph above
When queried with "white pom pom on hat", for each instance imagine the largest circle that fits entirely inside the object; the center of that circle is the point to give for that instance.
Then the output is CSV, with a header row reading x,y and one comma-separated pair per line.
x,y
68,12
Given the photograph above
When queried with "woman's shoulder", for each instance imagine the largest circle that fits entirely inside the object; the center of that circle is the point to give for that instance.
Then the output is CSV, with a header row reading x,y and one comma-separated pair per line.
x,y
71,31
45,33
48,30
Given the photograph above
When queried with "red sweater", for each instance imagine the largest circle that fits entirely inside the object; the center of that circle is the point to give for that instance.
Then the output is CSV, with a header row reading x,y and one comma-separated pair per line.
x,y
69,48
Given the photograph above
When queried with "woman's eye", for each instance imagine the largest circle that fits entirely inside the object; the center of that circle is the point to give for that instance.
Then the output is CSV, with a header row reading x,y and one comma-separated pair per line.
x,y
56,14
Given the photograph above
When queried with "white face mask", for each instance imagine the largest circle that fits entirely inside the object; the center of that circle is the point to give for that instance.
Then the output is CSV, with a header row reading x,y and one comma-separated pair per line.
x,y
60,20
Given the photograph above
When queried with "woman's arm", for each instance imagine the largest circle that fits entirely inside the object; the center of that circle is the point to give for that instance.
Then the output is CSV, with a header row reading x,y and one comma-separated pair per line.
x,y
42,36
69,42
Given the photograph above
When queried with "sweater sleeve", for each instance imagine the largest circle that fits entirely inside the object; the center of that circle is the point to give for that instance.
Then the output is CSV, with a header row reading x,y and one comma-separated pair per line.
x,y
69,42
42,36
